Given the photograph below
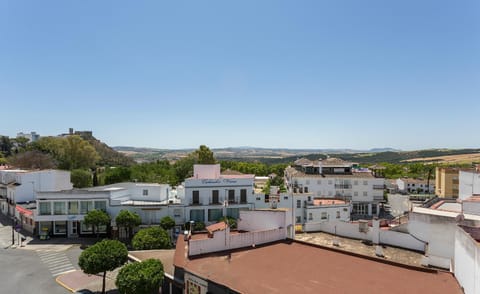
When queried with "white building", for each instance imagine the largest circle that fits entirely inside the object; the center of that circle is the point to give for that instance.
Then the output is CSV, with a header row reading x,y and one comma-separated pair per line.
x,y
210,195
337,179
32,136
62,213
415,186
20,186
468,183
467,258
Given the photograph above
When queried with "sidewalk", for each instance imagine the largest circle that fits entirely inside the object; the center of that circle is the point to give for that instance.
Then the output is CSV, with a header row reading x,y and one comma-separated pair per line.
x,y
77,280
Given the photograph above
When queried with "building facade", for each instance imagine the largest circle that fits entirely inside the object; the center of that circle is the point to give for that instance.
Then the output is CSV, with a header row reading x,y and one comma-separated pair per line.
x,y
446,182
210,195
333,178
415,186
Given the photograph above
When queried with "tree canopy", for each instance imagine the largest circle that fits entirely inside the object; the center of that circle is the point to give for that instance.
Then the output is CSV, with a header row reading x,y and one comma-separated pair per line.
x,y
140,277
151,238
81,178
96,218
128,220
104,256
167,223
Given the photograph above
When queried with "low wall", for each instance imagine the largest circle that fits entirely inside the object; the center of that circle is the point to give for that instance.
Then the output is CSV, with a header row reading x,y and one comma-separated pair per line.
x,y
344,229
351,230
220,243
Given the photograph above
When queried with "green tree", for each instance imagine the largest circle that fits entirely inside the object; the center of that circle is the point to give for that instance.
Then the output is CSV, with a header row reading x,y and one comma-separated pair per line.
x,y
116,175
151,238
104,256
204,155
232,222
32,159
167,223
96,218
81,178
128,220
140,277
5,146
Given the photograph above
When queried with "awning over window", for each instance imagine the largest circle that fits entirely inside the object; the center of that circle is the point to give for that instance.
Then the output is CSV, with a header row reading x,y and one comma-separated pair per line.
x,y
23,210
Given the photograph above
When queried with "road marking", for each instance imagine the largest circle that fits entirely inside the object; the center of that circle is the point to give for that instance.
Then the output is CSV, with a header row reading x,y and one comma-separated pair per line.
x,y
56,261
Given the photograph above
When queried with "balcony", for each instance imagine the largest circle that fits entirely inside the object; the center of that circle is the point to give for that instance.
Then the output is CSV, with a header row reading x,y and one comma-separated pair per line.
x,y
378,187
378,198
343,186
195,203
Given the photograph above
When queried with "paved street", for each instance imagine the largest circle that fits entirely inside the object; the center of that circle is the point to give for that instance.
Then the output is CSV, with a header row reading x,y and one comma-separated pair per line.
x,y
22,271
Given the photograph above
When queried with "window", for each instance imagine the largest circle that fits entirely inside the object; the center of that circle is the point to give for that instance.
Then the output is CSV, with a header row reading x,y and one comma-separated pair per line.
x,y
196,197
310,216
365,183
360,208
233,212
59,208
72,207
324,215
298,219
338,214
374,209
231,195
177,213
101,205
215,196
85,206
45,208
355,193
214,214
299,203
145,192
309,198
305,189
267,198
259,198
86,228
197,215
285,197
355,182
243,196
365,193
60,227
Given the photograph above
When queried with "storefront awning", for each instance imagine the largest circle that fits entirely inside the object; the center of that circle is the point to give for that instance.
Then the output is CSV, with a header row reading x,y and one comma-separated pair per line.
x,y
23,210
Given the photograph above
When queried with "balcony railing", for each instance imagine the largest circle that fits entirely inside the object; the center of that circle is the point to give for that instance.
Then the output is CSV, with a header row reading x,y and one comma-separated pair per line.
x,y
379,187
343,186
378,197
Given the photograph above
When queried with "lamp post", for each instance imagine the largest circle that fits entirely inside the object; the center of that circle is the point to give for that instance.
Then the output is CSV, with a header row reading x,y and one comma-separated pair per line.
x,y
13,230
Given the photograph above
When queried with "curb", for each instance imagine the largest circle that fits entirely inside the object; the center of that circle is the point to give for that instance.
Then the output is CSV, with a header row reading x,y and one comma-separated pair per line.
x,y
62,284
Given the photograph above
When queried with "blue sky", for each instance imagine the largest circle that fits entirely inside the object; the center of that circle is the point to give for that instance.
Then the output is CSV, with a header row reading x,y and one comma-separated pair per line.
x,y
298,74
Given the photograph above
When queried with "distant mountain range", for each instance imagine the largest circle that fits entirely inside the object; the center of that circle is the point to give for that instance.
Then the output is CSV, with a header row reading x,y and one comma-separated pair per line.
x,y
285,155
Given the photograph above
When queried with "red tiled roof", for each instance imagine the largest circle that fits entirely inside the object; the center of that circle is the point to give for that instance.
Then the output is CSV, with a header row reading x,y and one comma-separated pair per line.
x,y
295,267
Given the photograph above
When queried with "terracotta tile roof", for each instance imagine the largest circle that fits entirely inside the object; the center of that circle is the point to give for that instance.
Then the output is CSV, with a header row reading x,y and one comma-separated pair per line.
x,y
295,267
328,202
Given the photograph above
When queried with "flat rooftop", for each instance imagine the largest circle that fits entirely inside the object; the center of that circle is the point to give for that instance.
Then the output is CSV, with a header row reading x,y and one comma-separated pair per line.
x,y
296,267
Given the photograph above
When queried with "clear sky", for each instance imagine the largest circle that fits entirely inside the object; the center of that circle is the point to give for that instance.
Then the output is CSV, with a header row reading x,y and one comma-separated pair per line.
x,y
298,74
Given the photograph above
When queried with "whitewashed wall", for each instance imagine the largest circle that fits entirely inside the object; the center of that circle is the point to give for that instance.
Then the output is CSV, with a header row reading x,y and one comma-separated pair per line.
x,y
258,220
467,262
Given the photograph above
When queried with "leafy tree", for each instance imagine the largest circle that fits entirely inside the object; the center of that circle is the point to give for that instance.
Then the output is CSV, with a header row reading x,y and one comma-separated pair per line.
x,y
167,223
151,238
71,152
32,159
96,218
5,146
104,256
184,167
117,175
128,220
140,277
197,226
81,178
232,222
204,155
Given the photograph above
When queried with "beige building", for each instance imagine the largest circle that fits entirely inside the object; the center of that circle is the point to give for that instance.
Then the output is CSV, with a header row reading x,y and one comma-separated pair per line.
x,y
446,182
